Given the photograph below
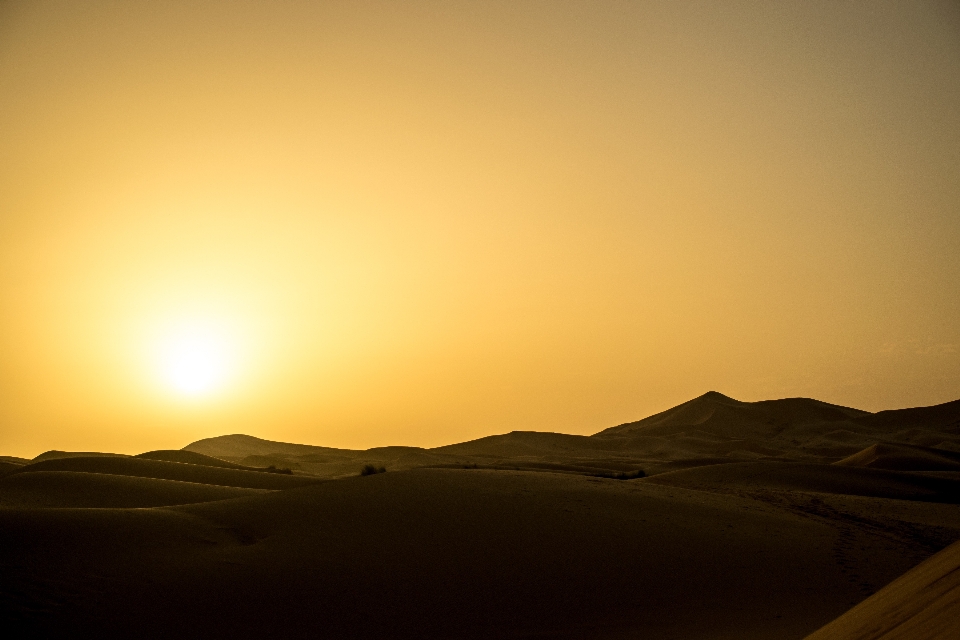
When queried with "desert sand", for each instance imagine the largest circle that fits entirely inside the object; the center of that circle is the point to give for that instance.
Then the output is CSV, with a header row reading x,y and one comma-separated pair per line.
x,y
754,520
923,603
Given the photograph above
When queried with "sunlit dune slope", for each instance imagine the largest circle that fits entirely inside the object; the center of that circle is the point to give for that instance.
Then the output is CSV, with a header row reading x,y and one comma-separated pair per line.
x,y
57,489
903,457
819,478
923,604
163,470
441,553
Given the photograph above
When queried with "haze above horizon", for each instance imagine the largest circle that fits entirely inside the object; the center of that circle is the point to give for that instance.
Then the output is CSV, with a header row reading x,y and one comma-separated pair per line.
x,y
421,223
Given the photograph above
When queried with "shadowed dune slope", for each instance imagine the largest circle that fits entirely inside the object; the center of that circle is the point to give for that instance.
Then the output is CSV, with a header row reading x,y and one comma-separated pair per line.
x,y
8,467
820,478
901,457
60,489
441,553
190,457
923,604
138,467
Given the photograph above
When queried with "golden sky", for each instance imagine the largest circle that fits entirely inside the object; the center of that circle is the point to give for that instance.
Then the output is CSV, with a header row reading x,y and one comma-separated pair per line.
x,y
357,224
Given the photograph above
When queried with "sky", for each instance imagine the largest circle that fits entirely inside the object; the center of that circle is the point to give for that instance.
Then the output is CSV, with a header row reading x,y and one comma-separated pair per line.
x,y
356,224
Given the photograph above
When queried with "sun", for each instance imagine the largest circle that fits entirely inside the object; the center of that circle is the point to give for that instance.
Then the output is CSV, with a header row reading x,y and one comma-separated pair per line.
x,y
195,359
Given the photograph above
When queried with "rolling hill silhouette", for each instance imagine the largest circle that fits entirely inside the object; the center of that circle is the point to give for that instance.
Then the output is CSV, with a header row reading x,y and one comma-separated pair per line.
x,y
757,520
710,429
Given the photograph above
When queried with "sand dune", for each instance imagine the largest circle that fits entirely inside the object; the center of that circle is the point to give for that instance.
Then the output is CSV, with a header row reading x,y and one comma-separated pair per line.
x,y
71,489
444,553
744,530
162,470
923,604
58,455
903,458
240,446
856,481
8,467
717,413
190,457
793,428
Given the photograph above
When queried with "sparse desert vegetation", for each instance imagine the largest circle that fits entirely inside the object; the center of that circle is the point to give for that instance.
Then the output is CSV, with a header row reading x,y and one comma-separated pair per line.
x,y
274,469
369,470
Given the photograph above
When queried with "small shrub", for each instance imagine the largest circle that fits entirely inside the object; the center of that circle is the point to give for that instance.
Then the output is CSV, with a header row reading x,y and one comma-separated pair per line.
x,y
623,475
275,469
369,470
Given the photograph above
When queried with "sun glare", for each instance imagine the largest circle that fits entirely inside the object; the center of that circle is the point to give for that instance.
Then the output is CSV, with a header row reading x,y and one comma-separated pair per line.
x,y
195,359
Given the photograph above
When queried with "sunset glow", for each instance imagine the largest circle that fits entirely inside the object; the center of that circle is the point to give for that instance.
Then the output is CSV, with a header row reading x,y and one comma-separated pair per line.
x,y
396,223
195,360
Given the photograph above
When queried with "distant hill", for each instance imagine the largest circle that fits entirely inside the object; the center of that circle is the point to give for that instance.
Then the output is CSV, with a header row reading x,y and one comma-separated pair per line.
x,y
57,455
191,457
723,416
792,428
240,446
710,429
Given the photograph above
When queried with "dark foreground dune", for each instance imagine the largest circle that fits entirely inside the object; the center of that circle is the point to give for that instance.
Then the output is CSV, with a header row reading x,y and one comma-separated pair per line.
x,y
443,553
757,521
